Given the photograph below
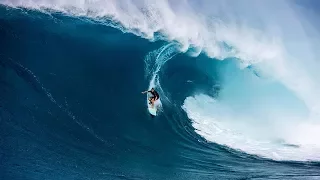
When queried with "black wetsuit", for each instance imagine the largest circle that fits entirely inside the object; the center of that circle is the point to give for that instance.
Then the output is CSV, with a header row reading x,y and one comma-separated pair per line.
x,y
154,94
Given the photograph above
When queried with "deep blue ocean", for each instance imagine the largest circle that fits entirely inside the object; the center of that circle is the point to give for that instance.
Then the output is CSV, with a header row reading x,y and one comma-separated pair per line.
x,y
71,106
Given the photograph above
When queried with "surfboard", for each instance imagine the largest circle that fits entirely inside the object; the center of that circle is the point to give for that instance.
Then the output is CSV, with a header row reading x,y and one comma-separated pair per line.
x,y
152,110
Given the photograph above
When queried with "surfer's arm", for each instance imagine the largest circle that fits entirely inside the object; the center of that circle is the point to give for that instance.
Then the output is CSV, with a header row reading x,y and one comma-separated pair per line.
x,y
144,92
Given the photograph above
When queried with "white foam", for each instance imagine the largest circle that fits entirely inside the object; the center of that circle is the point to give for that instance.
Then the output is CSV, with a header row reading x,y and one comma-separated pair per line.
x,y
222,125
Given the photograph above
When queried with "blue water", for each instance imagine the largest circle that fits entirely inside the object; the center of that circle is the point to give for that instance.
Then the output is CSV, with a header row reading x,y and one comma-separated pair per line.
x,y
71,107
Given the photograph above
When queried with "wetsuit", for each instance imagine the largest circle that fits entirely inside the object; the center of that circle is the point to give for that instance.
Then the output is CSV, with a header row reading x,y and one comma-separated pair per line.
x,y
154,94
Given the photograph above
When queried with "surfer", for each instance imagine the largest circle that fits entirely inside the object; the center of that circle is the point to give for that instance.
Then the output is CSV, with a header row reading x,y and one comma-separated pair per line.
x,y
155,96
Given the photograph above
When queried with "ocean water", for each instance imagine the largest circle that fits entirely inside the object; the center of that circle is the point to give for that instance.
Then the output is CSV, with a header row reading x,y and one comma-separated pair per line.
x,y
238,83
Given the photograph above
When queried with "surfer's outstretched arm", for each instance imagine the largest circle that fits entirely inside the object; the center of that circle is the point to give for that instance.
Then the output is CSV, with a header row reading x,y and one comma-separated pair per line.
x,y
144,91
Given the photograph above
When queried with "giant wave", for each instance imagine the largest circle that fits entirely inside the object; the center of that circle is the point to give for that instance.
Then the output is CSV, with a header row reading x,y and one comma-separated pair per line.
x,y
286,104
264,100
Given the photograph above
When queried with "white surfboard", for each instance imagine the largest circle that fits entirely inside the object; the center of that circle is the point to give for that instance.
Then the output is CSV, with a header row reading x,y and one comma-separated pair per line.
x,y
152,111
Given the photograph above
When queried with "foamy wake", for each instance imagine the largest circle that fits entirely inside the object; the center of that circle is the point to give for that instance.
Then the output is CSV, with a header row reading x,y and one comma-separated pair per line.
x,y
154,61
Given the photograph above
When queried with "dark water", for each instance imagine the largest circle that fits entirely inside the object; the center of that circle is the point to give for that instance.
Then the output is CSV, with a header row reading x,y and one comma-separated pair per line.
x,y
71,108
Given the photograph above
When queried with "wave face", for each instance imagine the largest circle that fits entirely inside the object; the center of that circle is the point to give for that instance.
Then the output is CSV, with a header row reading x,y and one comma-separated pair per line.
x,y
238,85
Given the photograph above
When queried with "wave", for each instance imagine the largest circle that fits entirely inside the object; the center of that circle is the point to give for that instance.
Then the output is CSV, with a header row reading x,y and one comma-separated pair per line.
x,y
253,114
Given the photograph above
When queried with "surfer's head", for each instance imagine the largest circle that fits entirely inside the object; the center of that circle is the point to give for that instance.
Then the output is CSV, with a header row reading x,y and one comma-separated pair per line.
x,y
152,89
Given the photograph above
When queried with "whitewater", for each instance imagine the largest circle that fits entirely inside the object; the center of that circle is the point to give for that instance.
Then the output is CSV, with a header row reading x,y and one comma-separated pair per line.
x,y
268,104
